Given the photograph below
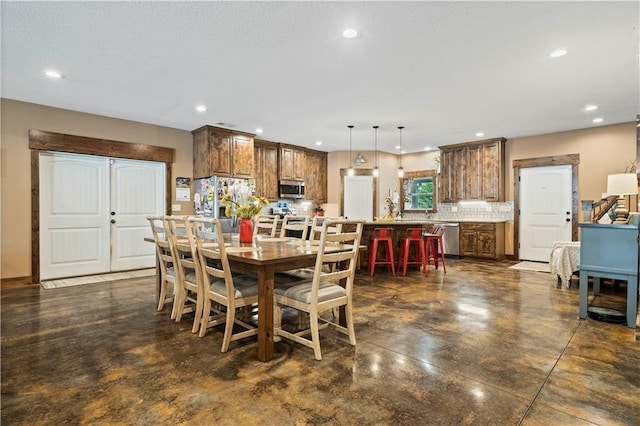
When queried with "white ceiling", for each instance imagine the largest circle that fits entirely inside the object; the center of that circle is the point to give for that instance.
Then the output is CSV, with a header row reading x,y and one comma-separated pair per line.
x,y
444,70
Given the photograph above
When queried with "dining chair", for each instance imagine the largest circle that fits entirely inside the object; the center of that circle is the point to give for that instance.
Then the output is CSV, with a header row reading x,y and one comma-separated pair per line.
x,y
166,262
296,224
328,289
186,266
218,287
316,226
265,225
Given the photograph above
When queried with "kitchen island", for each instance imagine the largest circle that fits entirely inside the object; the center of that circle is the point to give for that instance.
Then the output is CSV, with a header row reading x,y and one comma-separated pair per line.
x,y
481,238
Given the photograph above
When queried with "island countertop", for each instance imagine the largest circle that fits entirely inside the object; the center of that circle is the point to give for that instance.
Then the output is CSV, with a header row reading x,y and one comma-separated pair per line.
x,y
434,221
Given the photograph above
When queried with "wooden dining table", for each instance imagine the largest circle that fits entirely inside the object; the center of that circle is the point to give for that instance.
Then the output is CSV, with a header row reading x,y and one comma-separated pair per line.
x,y
264,258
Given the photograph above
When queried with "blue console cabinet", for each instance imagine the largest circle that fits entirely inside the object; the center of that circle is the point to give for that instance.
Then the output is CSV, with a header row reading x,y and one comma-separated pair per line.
x,y
609,251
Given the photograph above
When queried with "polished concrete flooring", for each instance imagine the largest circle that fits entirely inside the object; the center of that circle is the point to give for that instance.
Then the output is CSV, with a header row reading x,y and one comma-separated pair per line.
x,y
482,344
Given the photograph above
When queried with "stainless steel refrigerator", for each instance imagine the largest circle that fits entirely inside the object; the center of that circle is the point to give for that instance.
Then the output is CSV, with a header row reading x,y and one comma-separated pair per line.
x,y
208,192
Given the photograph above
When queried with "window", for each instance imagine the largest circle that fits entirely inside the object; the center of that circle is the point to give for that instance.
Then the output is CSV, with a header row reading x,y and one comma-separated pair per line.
x,y
419,191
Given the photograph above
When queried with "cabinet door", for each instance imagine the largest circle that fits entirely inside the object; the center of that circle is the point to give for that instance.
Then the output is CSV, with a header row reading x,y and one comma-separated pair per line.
x,y
201,156
492,174
321,179
473,173
220,146
286,163
486,244
467,241
459,164
316,177
299,166
311,180
269,175
445,181
242,155
258,163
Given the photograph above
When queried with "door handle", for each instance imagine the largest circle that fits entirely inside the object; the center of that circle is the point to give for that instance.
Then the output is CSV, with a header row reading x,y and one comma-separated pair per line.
x,y
113,221
568,220
113,213
568,212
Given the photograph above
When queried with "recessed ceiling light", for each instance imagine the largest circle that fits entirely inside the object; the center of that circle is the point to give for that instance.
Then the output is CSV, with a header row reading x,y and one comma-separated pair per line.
x,y
350,33
318,143
427,148
598,120
558,53
591,107
259,131
53,74
397,147
403,152
201,108
479,134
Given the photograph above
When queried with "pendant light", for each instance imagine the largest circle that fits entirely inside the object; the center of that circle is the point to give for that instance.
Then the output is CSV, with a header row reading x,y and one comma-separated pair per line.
x,y
376,171
400,169
350,169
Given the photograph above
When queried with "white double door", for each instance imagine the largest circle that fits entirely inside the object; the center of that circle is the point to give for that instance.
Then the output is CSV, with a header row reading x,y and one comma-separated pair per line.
x,y
93,213
545,210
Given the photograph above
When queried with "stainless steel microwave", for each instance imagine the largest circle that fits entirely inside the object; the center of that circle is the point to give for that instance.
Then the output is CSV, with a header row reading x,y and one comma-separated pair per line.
x,y
291,189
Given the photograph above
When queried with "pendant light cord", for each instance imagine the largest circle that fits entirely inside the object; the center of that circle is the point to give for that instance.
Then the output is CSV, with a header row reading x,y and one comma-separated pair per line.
x,y
400,128
376,143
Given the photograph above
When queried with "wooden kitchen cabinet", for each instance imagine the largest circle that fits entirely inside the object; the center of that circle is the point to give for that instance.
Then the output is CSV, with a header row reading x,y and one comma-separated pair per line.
x,y
222,152
316,176
482,240
472,171
292,163
266,169
493,171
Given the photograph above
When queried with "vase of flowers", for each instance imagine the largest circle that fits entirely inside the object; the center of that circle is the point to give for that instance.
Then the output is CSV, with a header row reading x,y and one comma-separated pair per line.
x,y
240,204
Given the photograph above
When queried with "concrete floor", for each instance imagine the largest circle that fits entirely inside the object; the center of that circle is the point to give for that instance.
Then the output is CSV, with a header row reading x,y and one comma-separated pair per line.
x,y
482,344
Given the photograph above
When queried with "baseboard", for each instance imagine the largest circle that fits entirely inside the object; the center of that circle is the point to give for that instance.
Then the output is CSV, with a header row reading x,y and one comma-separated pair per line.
x,y
16,282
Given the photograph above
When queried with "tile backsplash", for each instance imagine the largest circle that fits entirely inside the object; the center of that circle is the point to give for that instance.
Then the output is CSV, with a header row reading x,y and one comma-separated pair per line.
x,y
468,210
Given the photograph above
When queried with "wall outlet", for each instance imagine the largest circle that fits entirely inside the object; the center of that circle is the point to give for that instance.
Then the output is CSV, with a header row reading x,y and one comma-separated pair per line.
x,y
176,207
454,209
488,208
505,208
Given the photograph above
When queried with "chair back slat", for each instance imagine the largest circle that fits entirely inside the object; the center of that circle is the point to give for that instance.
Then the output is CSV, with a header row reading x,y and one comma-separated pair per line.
x,y
296,224
345,234
318,221
214,263
266,225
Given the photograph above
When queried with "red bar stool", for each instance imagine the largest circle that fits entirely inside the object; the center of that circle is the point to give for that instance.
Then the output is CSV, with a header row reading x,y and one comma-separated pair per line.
x,y
412,239
382,237
434,246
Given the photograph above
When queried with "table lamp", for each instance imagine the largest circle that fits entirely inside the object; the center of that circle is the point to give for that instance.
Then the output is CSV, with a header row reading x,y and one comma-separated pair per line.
x,y
622,184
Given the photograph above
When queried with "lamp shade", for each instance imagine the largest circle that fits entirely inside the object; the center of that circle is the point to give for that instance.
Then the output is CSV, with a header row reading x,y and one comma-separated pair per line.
x,y
622,184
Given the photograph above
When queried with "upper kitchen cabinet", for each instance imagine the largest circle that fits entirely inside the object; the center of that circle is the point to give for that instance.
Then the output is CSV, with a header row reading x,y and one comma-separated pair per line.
x,y
316,180
472,171
292,163
266,169
222,152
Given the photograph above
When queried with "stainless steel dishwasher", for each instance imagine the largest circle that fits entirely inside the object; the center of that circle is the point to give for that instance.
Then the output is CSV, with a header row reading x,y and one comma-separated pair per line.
x,y
451,239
